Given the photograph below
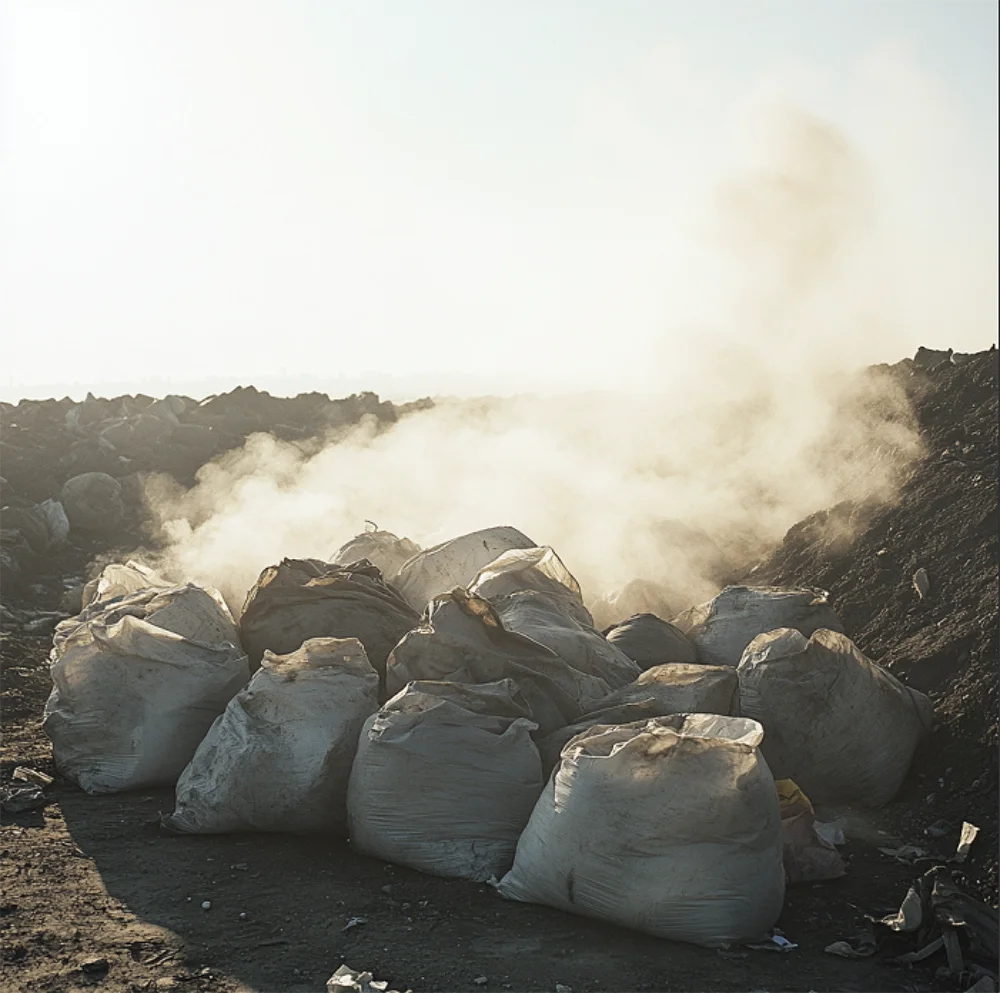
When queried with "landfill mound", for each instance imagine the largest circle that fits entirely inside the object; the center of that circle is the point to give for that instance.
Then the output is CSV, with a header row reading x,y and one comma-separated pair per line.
x,y
942,641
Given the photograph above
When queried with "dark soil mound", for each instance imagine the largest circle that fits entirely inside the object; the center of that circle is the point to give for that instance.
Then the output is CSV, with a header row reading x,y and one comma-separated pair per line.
x,y
945,643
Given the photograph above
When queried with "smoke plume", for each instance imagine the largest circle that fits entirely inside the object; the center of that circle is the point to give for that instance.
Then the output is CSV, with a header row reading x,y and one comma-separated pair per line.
x,y
754,426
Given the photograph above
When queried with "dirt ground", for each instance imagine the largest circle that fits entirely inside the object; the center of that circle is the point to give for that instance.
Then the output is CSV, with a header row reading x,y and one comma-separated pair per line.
x,y
95,895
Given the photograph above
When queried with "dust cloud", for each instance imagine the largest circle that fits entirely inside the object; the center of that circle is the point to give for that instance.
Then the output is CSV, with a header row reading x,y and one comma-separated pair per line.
x,y
755,426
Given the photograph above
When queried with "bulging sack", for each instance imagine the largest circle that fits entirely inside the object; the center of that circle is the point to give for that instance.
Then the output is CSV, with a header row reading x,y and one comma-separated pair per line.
x,y
382,548
445,779
538,569
543,618
299,599
836,723
670,826
135,688
722,628
650,641
454,563
462,639
280,757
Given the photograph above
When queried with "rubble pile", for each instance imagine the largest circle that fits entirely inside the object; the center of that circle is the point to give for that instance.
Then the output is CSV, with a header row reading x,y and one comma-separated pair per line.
x,y
915,584
68,465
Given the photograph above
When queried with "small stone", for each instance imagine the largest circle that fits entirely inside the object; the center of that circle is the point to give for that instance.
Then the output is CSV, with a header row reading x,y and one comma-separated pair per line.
x,y
243,915
480,980
387,889
206,904
95,966
563,989
921,583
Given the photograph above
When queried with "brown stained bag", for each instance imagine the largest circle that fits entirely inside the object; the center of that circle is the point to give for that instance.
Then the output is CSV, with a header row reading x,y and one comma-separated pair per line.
x,y
299,599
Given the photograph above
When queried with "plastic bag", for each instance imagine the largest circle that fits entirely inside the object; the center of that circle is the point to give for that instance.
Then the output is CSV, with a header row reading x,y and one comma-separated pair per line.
x,y
670,826
538,569
454,563
544,618
301,599
280,757
649,641
462,639
382,548
841,726
722,628
445,779
131,698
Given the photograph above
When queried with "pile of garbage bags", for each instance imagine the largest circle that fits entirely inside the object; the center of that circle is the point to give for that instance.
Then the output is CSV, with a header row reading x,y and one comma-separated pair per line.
x,y
465,717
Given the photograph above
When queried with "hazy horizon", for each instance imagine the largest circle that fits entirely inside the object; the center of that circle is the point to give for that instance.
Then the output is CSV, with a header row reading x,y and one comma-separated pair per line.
x,y
485,198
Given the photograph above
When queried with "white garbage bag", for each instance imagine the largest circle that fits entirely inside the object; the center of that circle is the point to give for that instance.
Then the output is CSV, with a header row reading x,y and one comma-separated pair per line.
x,y
280,757
722,628
132,699
117,580
382,548
843,728
658,692
544,618
670,826
445,779
538,569
461,639
454,563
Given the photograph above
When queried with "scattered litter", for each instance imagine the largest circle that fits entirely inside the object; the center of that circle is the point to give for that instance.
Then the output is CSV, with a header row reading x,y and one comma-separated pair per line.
x,y
938,829
968,836
348,980
775,942
907,854
355,922
17,801
860,946
25,774
206,904
832,832
921,583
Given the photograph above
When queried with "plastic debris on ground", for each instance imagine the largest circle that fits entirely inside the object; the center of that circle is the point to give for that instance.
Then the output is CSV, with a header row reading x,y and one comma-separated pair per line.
x,y
348,980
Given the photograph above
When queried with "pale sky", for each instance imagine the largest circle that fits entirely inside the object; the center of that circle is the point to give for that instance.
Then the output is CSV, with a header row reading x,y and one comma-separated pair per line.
x,y
478,196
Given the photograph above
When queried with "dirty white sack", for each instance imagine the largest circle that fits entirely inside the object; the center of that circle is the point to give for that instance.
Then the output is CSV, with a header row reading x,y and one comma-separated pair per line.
x,y
841,726
445,779
280,757
670,826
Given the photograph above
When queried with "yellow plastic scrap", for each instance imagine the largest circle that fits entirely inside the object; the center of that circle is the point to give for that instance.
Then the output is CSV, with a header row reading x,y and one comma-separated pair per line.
x,y
791,798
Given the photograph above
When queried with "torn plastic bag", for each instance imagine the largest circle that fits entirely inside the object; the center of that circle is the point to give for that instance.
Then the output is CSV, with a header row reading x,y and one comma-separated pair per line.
x,y
650,641
454,563
669,826
545,619
538,569
131,700
280,757
721,629
117,580
841,726
382,548
808,857
462,639
445,779
301,599
197,613
658,692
